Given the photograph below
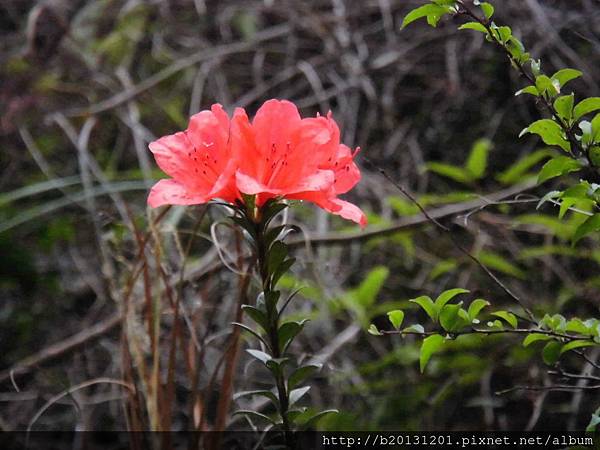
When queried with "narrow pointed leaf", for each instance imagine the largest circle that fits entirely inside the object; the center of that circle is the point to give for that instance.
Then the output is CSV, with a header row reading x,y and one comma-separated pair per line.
x,y
256,415
301,373
297,394
251,331
261,356
262,393
314,419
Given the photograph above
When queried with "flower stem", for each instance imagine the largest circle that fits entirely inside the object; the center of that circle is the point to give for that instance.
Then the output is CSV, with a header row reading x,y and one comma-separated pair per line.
x,y
273,328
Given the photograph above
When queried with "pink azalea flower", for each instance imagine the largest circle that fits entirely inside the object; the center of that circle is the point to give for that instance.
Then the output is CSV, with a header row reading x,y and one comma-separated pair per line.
x,y
277,155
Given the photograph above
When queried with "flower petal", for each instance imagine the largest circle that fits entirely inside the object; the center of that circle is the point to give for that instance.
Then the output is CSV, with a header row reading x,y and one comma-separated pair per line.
x,y
333,205
198,157
224,187
346,177
171,192
274,123
320,180
251,186
350,211
172,154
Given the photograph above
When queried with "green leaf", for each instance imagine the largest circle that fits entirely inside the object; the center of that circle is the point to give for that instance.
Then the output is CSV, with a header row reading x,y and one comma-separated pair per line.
x,y
251,331
531,90
473,26
576,344
551,352
450,319
245,224
546,85
374,331
565,204
261,356
504,33
488,10
508,316
297,394
577,326
288,331
272,234
275,365
302,373
269,300
550,132
477,161
594,155
432,12
591,225
369,289
426,303
496,324
475,308
534,337
270,210
446,296
314,419
558,166
564,106
518,170
563,76
247,412
596,128
586,106
464,316
396,318
431,345
277,254
455,173
263,393
556,322
415,328
282,269
257,315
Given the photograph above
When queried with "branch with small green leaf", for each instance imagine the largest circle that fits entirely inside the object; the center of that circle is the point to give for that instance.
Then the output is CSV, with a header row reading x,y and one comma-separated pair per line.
x,y
452,320
570,127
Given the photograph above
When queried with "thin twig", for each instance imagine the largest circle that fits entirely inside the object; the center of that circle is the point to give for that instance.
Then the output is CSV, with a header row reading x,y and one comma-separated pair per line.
x,y
455,334
456,243
74,389
554,387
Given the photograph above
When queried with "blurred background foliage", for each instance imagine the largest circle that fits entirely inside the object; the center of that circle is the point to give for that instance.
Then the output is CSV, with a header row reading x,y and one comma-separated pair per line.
x,y
85,85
